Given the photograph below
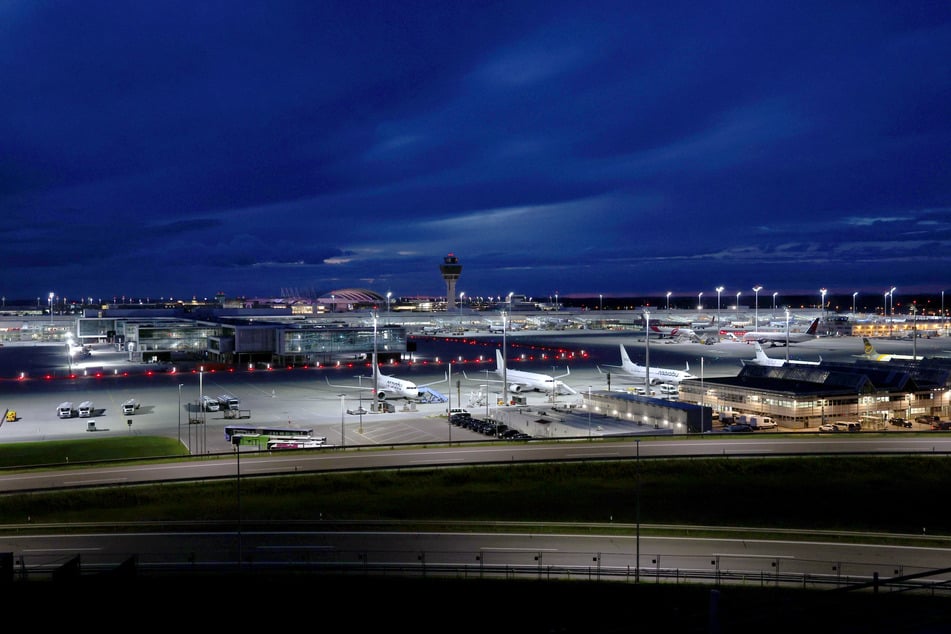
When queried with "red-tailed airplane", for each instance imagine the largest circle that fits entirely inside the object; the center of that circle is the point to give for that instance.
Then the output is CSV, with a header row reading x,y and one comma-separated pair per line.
x,y
780,337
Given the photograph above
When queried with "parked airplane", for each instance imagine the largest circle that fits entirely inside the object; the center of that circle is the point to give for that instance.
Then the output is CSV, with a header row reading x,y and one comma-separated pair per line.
x,y
521,381
673,332
874,355
762,359
658,375
780,337
388,386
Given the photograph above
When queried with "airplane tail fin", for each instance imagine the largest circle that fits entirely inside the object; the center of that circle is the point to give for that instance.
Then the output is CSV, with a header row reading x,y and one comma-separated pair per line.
x,y
814,328
499,362
869,348
624,358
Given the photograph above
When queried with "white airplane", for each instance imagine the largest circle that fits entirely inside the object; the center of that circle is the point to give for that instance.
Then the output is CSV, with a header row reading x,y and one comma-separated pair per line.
x,y
658,375
388,386
780,337
673,332
521,381
761,358
874,355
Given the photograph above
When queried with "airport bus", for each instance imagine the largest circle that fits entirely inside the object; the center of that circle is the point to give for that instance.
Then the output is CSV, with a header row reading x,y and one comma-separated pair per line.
x,y
268,437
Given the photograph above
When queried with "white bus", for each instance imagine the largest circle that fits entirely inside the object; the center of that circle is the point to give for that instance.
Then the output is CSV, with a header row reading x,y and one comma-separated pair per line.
x,y
85,409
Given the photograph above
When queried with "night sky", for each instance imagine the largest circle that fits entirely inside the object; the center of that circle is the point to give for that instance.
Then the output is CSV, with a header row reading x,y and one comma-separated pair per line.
x,y
262,149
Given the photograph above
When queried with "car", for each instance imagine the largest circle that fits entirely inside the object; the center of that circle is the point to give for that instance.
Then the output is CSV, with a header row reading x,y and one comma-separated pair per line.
x,y
941,425
827,427
738,428
900,422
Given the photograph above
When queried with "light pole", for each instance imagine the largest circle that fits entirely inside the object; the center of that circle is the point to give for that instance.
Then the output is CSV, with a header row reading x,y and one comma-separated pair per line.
x,y
461,296
738,305
774,299
589,412
333,302
756,290
914,330
388,296
51,308
700,300
668,301
180,386
647,352
822,306
343,405
719,290
854,295
376,373
787,335
505,363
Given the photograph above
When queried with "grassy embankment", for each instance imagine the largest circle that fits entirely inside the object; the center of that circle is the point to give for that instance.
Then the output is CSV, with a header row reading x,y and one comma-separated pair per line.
x,y
881,494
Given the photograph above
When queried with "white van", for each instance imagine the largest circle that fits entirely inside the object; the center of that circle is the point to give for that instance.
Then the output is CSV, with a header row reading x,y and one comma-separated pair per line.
x,y
129,407
210,404
761,422
669,388
85,409
65,410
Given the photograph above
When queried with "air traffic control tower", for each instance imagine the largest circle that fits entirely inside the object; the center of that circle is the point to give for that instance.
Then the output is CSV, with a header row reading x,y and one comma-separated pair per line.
x,y
450,269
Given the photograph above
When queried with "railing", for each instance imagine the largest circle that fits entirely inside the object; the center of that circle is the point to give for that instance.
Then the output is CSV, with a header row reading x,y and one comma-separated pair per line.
x,y
472,565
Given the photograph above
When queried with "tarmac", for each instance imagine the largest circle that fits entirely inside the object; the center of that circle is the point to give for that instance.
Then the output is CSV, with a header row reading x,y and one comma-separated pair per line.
x,y
35,378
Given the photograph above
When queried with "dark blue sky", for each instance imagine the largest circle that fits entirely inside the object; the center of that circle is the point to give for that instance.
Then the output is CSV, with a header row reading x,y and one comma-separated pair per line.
x,y
178,149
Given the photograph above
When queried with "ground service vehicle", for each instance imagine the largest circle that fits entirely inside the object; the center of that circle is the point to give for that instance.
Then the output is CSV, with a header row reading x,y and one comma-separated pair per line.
x,y
129,407
65,410
85,409
226,402
209,404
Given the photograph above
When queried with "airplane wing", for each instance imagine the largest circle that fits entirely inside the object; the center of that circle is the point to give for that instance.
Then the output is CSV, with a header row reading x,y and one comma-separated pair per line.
x,y
368,386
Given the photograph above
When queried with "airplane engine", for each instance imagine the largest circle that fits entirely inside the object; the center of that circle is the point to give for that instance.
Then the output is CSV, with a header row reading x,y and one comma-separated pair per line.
x,y
515,388
381,395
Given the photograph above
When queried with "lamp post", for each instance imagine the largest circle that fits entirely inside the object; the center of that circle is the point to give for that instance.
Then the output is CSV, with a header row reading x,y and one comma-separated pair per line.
x,y
505,363
787,335
700,300
343,405
756,290
388,296
719,290
461,295
637,513
822,306
333,302
51,308
774,299
180,386
914,330
556,300
589,412
376,368
647,352
854,295
738,305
